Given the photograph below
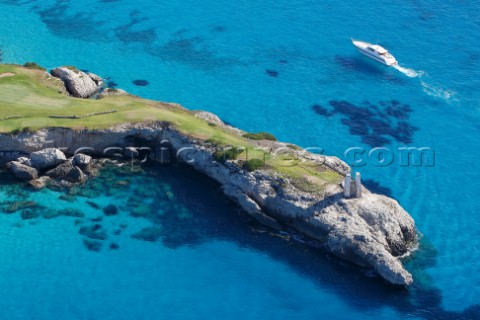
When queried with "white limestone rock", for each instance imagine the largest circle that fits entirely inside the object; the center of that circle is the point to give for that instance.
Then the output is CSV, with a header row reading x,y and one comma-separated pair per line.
x,y
47,158
78,83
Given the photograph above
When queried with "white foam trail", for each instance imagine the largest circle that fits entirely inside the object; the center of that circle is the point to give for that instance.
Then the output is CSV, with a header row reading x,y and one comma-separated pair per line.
x,y
446,94
431,90
408,72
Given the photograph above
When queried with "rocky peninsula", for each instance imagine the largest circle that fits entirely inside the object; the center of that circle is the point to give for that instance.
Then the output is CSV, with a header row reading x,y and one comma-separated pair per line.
x,y
280,185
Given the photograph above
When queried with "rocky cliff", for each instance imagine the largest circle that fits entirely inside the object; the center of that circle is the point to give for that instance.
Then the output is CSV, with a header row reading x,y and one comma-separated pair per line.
x,y
372,231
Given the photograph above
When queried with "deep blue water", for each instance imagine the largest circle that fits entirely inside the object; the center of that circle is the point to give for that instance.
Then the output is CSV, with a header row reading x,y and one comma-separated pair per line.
x,y
283,66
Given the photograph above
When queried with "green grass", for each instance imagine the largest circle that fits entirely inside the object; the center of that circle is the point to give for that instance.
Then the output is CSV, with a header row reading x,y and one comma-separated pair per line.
x,y
253,164
260,136
31,96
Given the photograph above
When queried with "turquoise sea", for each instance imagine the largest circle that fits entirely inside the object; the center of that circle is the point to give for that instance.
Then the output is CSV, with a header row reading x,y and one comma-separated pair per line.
x,y
287,67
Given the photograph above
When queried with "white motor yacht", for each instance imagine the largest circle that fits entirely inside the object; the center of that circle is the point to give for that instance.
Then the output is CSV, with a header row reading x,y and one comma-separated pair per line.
x,y
375,51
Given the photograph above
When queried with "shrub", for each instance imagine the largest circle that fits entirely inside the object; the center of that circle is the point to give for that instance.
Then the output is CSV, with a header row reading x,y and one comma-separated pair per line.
x,y
260,136
33,65
253,164
227,154
215,142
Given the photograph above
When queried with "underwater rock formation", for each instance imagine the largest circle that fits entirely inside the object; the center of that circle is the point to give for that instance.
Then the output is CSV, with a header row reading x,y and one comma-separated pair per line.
x,y
110,210
148,234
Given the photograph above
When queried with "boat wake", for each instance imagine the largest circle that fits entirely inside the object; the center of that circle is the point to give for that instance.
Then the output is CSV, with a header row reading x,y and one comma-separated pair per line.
x,y
431,90
437,92
408,72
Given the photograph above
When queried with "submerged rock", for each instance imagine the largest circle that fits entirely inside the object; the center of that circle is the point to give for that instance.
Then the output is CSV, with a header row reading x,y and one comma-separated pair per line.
x,y
114,246
141,211
148,234
95,231
93,204
92,245
69,212
50,214
39,183
29,214
110,210
22,171
19,205
68,197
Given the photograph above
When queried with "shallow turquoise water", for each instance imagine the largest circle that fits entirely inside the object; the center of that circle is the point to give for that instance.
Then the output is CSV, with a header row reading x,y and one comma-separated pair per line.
x,y
222,57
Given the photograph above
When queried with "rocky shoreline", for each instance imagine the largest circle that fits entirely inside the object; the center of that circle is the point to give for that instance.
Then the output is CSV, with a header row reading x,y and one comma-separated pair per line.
x,y
372,230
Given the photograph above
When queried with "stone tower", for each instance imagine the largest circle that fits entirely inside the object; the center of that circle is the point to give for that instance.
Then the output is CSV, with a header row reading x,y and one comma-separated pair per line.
x,y
352,188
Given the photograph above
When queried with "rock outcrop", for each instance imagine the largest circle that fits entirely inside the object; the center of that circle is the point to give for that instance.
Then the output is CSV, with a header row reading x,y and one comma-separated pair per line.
x,y
22,171
82,161
372,231
53,164
67,171
78,83
47,158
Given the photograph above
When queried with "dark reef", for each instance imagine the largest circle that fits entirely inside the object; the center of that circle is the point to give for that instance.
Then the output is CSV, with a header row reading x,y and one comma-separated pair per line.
x,y
141,83
377,125
272,73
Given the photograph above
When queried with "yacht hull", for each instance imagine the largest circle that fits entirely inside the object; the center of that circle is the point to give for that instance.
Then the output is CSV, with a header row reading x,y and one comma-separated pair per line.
x,y
363,48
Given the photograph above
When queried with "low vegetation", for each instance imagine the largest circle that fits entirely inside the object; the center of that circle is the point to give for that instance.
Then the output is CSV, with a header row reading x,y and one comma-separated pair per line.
x,y
253,164
223,155
33,65
32,99
260,136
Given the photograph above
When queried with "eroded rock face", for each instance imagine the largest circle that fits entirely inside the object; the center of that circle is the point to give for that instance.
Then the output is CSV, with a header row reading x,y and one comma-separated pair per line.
x,y
372,231
130,153
78,83
47,158
22,171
